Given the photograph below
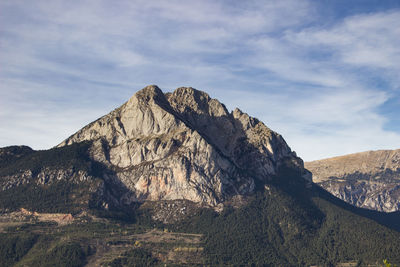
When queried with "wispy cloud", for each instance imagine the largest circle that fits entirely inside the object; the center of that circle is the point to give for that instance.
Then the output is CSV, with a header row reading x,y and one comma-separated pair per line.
x,y
368,41
322,85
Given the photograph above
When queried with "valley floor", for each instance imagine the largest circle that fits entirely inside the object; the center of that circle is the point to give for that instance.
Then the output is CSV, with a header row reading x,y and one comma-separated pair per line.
x,y
100,242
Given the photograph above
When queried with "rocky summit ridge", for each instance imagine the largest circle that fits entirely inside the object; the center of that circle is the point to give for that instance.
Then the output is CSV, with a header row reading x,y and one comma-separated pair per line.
x,y
184,145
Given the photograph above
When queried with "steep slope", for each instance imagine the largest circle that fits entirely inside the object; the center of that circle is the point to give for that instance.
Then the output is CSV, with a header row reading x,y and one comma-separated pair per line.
x,y
368,179
184,145
56,180
180,161
290,223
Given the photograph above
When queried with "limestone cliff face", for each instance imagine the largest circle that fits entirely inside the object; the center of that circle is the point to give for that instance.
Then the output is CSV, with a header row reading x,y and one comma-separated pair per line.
x,y
184,145
368,179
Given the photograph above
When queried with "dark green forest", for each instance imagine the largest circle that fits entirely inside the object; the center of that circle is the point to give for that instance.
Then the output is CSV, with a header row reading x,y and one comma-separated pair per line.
x,y
287,222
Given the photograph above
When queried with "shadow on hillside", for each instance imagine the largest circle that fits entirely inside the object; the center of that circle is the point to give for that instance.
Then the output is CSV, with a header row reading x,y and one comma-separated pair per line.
x,y
390,220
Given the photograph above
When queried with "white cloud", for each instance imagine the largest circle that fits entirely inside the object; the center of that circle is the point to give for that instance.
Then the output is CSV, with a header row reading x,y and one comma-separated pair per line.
x,y
368,40
321,124
65,63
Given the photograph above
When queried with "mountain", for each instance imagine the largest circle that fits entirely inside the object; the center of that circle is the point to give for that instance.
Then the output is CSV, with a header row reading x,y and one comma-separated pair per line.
x,y
156,146
176,179
184,145
369,179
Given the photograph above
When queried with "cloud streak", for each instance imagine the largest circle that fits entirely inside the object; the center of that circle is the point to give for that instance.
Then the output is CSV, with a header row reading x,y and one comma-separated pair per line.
x,y
322,85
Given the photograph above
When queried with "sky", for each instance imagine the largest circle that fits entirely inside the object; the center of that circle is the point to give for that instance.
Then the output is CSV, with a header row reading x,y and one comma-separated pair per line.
x,y
324,74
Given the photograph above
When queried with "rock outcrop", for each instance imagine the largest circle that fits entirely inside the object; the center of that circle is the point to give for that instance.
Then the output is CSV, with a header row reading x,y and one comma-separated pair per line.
x,y
184,145
369,179
43,177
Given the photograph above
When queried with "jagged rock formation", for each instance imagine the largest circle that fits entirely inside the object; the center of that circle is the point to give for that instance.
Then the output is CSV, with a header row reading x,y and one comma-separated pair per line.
x,y
184,145
179,159
44,176
369,179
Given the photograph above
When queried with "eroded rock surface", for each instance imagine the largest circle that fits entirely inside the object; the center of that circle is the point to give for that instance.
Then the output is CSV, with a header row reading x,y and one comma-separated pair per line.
x,y
369,179
184,145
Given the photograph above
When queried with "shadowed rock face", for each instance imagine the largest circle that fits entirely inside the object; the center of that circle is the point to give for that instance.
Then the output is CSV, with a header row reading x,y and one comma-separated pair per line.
x,y
368,179
184,145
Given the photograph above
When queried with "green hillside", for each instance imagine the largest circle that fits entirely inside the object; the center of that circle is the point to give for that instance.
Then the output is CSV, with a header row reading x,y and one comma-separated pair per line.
x,y
287,222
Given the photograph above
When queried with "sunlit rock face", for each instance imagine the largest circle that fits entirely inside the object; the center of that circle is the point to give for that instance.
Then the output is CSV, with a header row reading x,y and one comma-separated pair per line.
x,y
184,145
369,179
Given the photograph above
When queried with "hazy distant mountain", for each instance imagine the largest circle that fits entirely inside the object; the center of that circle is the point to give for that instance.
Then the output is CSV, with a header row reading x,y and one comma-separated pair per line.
x,y
369,179
231,189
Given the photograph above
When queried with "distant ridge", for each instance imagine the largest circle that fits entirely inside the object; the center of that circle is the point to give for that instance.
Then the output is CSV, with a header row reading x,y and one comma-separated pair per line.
x,y
368,179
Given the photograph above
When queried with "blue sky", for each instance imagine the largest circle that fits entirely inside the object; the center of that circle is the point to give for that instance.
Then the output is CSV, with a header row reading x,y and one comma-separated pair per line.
x,y
324,74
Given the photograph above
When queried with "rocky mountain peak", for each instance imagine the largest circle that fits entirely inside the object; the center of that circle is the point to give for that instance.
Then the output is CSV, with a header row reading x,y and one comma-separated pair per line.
x,y
188,99
184,145
150,94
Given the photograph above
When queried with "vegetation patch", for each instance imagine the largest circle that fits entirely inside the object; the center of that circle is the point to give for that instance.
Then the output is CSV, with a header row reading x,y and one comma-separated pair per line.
x,y
58,197
74,155
14,246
